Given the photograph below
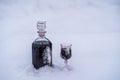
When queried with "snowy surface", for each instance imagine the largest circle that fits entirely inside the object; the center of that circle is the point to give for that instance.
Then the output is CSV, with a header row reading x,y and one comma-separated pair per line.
x,y
91,26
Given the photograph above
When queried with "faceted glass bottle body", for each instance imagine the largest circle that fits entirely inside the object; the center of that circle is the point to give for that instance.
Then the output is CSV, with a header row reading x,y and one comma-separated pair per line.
x,y
41,52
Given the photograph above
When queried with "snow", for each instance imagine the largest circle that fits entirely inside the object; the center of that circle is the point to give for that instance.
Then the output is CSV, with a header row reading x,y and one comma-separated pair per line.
x,y
91,26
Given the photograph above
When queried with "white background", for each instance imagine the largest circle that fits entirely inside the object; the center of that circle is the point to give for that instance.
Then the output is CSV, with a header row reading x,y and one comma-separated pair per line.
x,y
91,26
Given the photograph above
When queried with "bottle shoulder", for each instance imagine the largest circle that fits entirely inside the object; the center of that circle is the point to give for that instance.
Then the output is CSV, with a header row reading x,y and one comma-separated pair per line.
x,y
41,39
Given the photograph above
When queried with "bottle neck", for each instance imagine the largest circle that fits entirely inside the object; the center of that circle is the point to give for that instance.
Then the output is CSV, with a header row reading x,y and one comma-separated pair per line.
x,y
41,34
